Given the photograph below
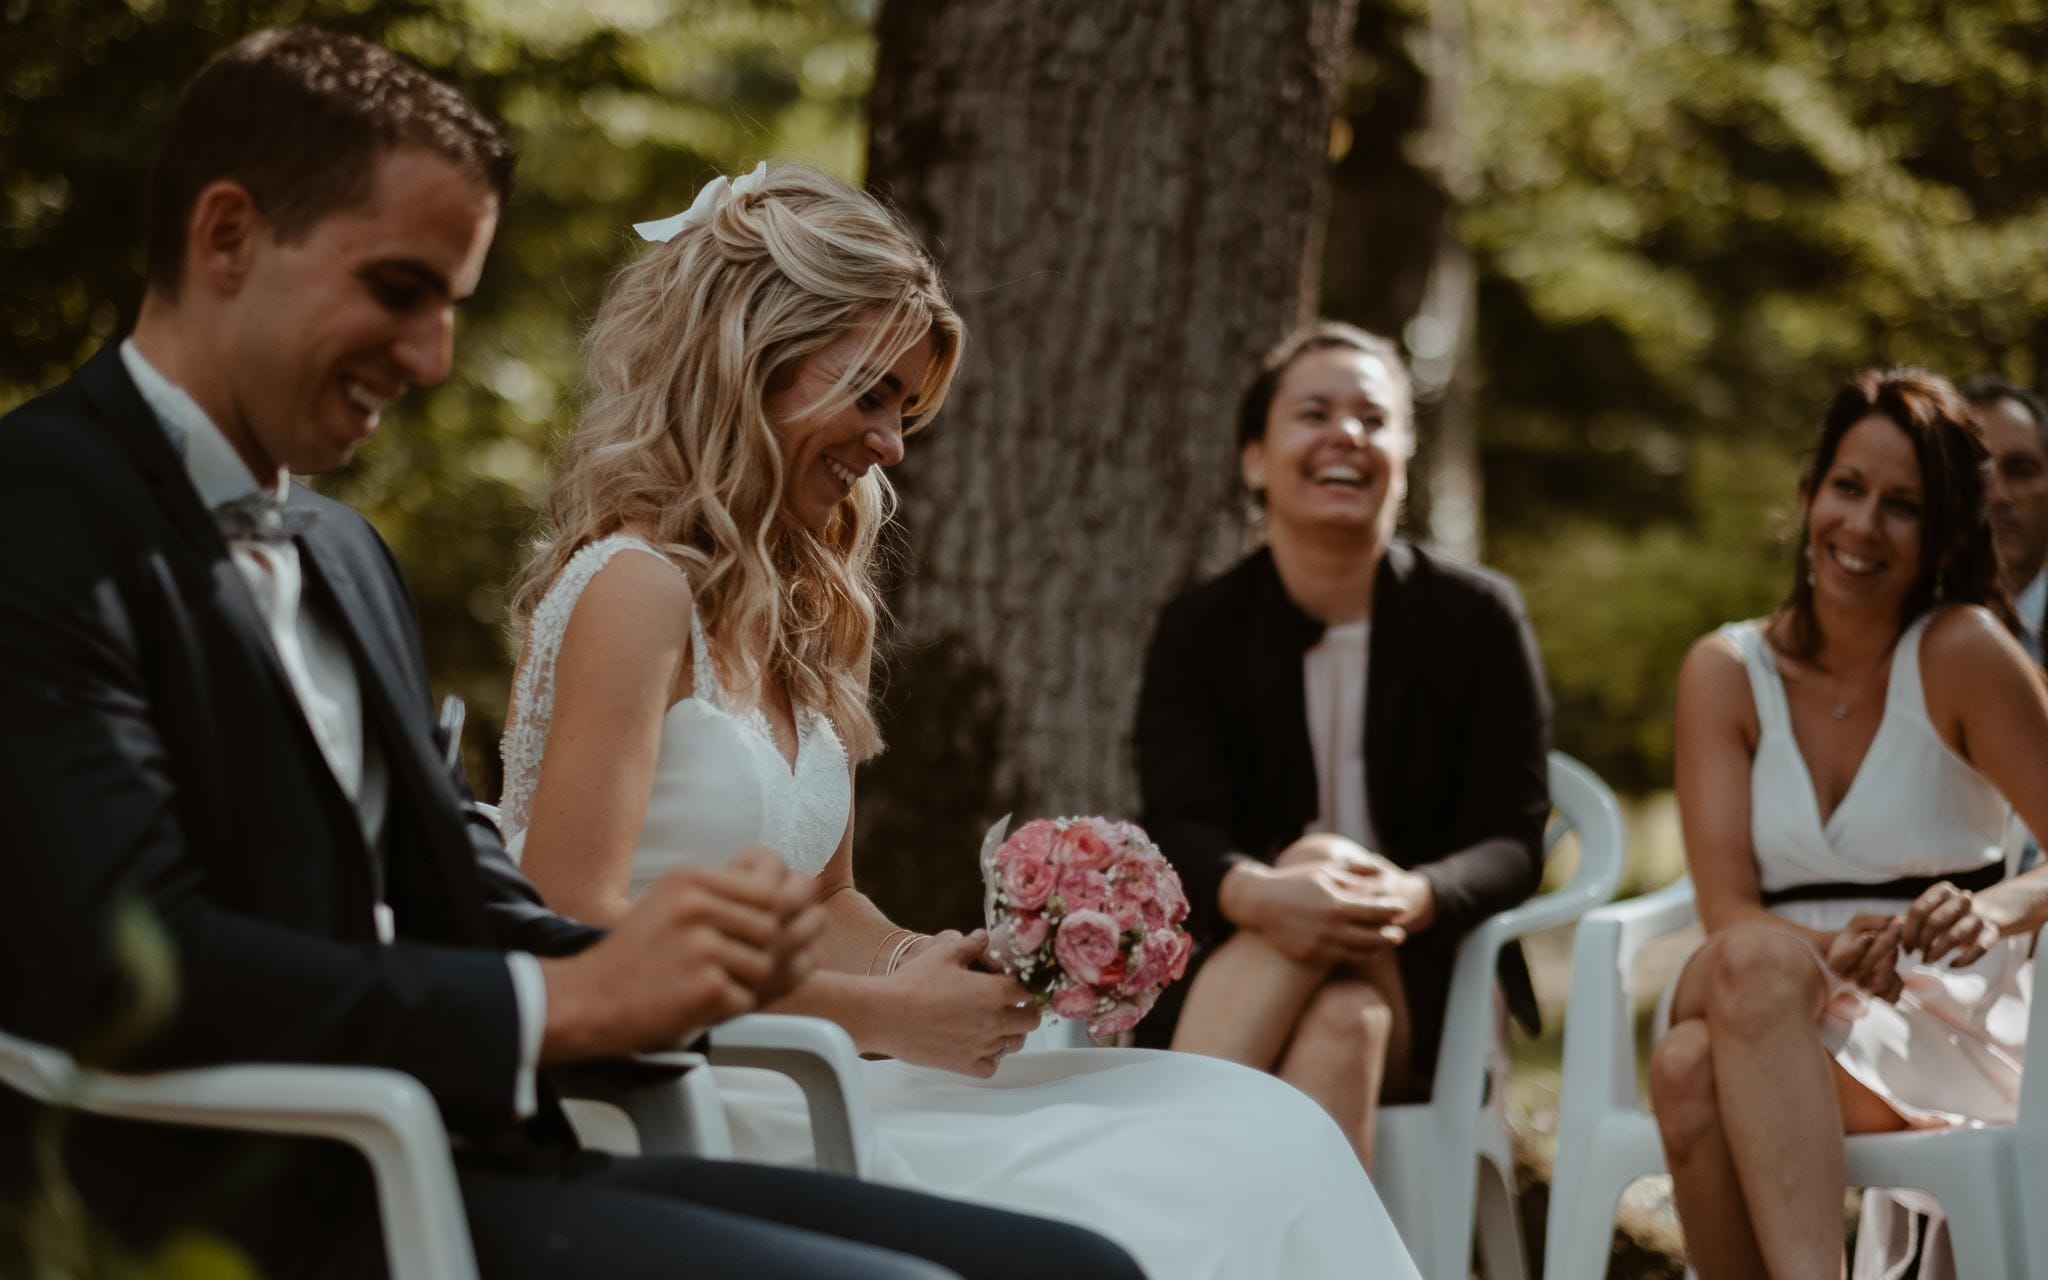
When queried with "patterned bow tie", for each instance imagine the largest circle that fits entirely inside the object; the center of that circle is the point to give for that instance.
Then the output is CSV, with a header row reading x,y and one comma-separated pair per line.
x,y
258,516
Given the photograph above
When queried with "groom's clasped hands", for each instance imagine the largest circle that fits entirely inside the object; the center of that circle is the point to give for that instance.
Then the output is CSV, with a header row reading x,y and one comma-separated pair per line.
x,y
703,945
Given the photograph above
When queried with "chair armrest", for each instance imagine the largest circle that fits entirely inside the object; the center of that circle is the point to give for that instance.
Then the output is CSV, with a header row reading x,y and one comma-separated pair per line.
x,y
1642,920
1468,1043
669,1096
387,1115
1599,1065
820,1057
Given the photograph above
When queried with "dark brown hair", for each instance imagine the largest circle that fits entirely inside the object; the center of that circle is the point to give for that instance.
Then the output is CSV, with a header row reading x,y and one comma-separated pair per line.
x,y
1323,335
1957,565
300,117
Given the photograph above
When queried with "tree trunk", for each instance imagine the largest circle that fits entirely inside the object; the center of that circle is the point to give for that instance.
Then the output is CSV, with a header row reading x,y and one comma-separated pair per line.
x,y
1127,202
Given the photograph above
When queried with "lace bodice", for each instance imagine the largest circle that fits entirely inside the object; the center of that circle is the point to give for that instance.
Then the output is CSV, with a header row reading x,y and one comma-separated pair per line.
x,y
720,783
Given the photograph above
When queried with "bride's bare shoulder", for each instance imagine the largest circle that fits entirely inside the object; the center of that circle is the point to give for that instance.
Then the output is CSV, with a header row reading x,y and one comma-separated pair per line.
x,y
634,613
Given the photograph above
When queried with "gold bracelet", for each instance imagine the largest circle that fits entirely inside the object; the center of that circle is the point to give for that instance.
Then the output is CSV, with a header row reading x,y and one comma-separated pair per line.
x,y
903,949
878,949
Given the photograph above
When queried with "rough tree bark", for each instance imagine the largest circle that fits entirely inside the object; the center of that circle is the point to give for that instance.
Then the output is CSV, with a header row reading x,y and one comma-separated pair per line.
x,y
1127,201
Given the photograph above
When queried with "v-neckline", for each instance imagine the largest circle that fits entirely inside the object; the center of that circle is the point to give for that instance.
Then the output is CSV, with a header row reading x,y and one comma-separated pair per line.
x,y
758,718
1884,720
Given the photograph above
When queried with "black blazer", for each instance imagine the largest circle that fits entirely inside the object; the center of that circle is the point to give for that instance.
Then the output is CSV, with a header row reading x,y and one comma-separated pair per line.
x,y
1457,728
152,753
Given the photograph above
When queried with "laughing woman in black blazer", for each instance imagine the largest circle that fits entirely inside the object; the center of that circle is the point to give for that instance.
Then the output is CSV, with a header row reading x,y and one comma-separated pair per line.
x,y
1341,744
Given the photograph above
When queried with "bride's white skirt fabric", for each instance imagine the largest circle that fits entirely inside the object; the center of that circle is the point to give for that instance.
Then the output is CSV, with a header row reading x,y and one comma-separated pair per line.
x,y
1202,1169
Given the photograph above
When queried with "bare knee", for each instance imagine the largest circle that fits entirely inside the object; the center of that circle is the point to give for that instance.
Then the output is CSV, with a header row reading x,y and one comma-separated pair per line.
x,y
1353,1015
1682,1087
1759,979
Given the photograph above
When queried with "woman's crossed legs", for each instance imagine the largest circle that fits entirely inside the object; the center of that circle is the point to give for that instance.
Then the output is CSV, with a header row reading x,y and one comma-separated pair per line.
x,y
1753,1109
1339,1035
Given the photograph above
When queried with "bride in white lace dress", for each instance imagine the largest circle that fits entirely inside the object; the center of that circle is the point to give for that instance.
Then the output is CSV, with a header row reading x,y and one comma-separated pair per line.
x,y
698,630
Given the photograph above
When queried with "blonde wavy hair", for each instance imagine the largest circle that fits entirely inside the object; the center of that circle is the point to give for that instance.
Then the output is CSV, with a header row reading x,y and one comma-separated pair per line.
x,y
674,435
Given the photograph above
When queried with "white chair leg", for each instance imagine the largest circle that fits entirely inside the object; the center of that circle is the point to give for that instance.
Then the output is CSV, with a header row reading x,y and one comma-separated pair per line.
x,y
1502,1255
1585,1194
1450,1218
1987,1238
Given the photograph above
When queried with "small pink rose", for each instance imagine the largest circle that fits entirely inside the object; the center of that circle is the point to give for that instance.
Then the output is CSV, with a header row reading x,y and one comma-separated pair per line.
x,y
1016,939
1083,890
1027,882
1131,902
1035,840
1141,883
1180,962
1086,947
1172,897
1081,845
1153,963
1027,932
1074,1001
1123,1016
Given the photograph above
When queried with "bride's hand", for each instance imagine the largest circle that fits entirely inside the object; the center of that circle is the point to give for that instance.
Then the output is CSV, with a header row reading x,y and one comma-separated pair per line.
x,y
949,1013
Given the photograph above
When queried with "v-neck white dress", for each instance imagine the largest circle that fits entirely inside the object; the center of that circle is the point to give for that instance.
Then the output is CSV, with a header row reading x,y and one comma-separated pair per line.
x,y
1949,1052
1203,1169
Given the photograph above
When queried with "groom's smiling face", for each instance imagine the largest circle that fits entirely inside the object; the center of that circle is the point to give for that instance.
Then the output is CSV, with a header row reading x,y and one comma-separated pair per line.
x,y
323,330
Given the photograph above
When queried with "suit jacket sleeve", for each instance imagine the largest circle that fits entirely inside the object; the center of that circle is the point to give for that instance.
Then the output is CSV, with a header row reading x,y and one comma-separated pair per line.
x,y
114,948
520,921
1497,850
1184,769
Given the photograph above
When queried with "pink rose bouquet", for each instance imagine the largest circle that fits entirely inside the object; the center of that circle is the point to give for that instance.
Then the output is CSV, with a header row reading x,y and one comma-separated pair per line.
x,y
1088,914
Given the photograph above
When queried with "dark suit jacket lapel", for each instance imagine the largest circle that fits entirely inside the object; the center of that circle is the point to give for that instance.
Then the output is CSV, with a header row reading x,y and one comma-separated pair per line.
x,y
141,435
417,780
1396,636
1279,634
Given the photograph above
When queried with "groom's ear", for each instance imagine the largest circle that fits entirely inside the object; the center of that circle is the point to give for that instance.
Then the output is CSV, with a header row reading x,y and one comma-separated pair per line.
x,y
220,237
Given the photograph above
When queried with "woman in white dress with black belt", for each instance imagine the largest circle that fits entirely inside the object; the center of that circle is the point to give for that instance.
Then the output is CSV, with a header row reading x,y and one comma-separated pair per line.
x,y
1845,768
699,626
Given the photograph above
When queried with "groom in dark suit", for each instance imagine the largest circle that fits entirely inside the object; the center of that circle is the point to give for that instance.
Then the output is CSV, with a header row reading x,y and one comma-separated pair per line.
x,y
215,720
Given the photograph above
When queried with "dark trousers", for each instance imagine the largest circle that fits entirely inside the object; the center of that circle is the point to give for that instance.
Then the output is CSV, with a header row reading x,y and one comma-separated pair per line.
x,y
684,1218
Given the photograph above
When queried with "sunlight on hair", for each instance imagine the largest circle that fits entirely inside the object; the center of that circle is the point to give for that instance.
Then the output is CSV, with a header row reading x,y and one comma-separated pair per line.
x,y
673,433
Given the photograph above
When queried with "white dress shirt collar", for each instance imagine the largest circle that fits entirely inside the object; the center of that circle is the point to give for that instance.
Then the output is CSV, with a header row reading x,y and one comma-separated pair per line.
x,y
2029,607
216,470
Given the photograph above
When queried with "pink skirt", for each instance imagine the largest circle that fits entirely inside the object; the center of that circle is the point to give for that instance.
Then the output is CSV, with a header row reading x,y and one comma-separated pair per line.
x,y
1949,1052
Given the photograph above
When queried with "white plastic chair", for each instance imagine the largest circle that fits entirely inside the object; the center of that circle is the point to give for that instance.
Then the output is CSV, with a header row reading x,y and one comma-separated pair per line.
x,y
670,1098
666,1111
386,1115
1992,1182
823,1061
1447,1164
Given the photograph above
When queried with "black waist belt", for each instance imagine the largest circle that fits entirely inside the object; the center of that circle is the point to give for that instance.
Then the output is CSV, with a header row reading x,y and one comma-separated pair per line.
x,y
1905,889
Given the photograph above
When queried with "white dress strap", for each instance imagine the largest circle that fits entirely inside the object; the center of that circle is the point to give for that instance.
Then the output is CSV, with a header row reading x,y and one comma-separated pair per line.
x,y
533,690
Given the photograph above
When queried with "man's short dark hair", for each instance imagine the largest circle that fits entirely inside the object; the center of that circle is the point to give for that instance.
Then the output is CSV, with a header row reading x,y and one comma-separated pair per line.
x,y
300,117
1988,390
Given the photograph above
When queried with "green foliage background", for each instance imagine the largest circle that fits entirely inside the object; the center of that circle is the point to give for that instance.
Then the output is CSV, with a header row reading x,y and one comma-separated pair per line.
x,y
1691,216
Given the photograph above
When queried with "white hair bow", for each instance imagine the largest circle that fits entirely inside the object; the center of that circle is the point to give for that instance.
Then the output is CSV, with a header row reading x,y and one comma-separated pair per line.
x,y
715,193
